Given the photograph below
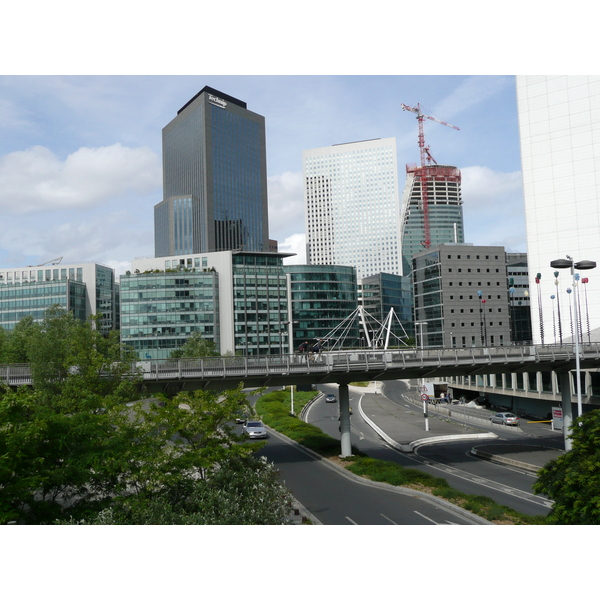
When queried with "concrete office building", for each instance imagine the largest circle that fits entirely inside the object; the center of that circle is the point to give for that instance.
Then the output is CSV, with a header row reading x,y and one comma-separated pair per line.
x,y
84,288
237,299
445,210
559,125
352,206
461,296
214,179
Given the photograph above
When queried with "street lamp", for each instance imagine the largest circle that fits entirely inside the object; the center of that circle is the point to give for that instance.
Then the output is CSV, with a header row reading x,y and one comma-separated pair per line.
x,y
420,324
569,263
422,386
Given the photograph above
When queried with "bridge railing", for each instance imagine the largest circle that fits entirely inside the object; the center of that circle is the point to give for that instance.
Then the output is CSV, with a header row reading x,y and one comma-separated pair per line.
x,y
370,361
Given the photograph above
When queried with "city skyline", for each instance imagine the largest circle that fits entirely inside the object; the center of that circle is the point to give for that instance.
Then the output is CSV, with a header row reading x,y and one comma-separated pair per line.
x,y
81,171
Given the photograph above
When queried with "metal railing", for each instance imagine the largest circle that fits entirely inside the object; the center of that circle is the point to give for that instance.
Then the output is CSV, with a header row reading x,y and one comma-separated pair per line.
x,y
369,362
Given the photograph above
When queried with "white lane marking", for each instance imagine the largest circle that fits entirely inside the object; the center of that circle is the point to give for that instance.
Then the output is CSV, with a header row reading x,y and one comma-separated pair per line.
x,y
388,519
427,518
351,521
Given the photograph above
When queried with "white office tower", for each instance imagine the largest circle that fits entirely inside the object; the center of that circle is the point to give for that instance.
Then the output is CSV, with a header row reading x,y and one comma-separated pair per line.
x,y
559,123
352,206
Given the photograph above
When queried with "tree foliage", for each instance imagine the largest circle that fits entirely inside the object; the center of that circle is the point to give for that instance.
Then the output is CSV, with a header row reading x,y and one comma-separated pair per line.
x,y
80,444
195,346
572,480
243,491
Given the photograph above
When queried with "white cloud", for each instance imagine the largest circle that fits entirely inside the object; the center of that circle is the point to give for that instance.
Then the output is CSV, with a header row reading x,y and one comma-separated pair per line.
x,y
286,205
37,180
295,243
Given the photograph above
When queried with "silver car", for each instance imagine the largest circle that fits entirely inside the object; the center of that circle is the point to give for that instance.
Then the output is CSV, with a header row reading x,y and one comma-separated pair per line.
x,y
505,418
254,429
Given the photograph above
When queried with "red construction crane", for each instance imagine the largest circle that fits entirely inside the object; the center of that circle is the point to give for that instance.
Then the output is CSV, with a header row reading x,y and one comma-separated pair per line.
x,y
426,159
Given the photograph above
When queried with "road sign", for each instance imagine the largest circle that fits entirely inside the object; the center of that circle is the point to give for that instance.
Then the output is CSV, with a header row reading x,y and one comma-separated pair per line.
x,y
424,397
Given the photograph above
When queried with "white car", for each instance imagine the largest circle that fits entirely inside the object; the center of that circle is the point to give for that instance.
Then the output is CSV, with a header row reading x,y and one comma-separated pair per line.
x,y
254,429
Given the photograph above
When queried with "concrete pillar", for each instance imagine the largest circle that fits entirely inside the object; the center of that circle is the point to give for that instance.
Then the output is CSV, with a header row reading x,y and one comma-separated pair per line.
x,y
567,406
344,395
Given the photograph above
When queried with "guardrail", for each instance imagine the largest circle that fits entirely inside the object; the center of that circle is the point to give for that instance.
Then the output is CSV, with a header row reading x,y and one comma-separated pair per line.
x,y
374,363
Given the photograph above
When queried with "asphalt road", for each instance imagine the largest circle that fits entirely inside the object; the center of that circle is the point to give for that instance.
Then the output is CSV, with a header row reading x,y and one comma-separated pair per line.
x,y
336,499
506,485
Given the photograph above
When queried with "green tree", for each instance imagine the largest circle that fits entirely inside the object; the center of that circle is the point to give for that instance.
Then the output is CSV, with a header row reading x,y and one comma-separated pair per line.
x,y
80,440
64,440
243,491
18,341
572,480
195,346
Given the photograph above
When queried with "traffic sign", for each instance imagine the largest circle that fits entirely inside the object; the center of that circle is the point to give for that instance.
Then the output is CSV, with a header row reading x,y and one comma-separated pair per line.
x,y
424,397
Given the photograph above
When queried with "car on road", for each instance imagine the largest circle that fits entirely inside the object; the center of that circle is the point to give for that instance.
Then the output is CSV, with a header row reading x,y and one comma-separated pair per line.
x,y
505,418
330,398
254,429
241,418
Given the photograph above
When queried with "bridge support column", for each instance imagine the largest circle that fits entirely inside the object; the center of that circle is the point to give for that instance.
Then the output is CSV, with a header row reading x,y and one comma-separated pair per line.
x,y
345,419
567,406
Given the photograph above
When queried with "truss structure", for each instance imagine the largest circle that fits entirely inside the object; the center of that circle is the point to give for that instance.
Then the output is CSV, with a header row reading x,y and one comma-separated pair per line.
x,y
375,339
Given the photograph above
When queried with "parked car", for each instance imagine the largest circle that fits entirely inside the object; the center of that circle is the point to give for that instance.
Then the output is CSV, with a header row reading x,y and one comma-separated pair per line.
x,y
505,418
254,429
330,398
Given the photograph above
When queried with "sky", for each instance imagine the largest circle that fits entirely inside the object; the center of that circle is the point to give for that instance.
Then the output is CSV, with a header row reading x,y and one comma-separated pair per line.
x,y
80,155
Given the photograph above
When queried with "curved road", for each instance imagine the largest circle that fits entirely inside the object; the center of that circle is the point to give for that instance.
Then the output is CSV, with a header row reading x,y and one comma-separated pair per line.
x,y
336,498
506,485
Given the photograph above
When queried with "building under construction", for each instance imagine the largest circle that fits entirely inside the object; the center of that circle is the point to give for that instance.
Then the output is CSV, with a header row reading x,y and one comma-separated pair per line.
x,y
444,207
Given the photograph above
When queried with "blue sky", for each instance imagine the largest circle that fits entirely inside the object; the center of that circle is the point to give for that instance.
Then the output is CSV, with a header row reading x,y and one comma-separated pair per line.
x,y
80,156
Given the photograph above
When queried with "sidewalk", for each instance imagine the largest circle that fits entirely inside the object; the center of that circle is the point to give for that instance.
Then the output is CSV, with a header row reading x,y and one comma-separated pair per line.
x,y
403,427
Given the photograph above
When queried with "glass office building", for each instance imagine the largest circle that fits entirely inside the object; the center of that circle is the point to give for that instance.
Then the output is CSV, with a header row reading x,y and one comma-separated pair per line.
x,y
85,288
239,300
33,298
159,311
382,292
352,206
214,179
321,298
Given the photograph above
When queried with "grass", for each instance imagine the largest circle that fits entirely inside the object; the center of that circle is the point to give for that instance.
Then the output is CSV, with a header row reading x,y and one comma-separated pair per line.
x,y
274,409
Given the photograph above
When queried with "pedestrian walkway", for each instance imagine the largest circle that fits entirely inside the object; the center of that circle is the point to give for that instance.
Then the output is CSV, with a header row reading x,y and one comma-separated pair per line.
x,y
403,426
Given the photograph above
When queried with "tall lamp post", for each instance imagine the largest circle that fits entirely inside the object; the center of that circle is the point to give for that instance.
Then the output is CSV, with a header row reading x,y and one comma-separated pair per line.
x,y
424,396
569,263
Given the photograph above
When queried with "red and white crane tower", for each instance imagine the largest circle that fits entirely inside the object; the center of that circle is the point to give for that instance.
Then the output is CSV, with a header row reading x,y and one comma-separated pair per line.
x,y
426,159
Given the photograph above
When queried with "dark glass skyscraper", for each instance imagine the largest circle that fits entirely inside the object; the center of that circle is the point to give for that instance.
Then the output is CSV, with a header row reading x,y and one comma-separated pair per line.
x,y
214,179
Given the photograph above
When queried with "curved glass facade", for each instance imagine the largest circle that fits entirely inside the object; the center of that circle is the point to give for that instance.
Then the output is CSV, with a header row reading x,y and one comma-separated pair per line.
x,y
321,296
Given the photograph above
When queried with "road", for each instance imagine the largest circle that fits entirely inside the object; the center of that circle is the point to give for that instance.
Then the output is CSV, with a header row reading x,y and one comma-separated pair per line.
x,y
336,499
506,485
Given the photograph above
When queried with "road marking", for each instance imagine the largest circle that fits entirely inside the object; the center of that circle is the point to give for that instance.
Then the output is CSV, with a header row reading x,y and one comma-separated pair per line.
x,y
351,521
392,522
427,518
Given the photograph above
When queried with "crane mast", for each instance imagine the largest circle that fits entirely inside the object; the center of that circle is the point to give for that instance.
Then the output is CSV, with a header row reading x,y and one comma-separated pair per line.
x,y
426,159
